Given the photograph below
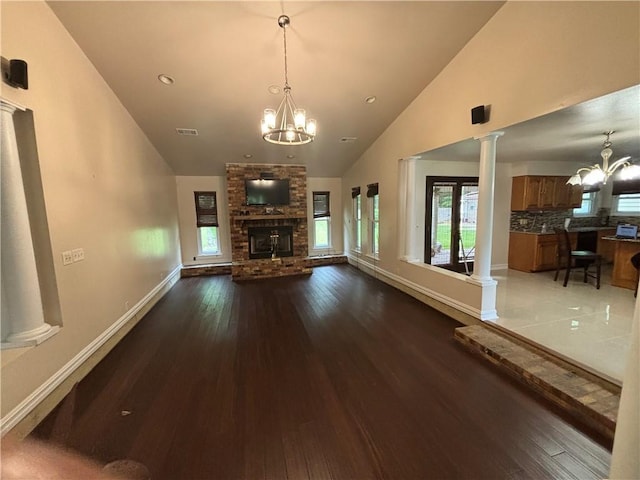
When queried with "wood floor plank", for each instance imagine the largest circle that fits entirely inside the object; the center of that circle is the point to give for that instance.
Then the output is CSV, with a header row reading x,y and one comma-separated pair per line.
x,y
331,376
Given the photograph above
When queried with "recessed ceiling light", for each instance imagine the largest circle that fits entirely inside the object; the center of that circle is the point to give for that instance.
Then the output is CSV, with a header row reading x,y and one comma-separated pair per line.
x,y
274,89
291,156
370,99
166,79
247,155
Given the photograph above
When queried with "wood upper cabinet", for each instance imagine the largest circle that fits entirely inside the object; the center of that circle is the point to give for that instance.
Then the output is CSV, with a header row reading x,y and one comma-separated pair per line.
x,y
535,192
547,192
525,192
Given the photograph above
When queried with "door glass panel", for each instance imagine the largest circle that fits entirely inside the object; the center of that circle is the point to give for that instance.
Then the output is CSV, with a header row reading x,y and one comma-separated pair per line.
x,y
467,227
441,221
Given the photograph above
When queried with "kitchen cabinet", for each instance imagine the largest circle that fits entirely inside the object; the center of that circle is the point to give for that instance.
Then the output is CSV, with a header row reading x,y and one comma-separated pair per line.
x,y
538,192
606,248
534,252
624,273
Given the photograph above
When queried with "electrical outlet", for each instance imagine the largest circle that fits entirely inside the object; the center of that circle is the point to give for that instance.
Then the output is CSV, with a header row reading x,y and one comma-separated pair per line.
x,y
77,254
67,257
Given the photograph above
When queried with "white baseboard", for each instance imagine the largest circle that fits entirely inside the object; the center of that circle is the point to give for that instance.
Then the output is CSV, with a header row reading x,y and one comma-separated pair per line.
x,y
24,408
365,265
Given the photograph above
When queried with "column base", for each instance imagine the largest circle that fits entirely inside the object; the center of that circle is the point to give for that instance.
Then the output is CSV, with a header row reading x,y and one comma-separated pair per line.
x,y
31,338
482,281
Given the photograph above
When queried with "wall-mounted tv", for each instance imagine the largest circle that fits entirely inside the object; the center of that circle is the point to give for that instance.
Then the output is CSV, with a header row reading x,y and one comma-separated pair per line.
x,y
267,191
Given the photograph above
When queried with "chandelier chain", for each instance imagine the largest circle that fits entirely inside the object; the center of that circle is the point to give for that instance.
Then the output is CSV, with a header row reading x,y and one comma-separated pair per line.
x,y
286,70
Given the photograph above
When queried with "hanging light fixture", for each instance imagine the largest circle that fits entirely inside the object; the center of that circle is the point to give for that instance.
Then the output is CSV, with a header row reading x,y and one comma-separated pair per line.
x,y
598,175
288,124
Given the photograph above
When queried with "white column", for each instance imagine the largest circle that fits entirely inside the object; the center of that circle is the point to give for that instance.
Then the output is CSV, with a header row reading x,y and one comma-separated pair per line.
x,y
402,209
412,242
19,274
484,227
625,459
407,209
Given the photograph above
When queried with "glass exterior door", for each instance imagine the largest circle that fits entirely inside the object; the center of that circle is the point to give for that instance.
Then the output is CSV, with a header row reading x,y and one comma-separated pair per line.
x,y
451,214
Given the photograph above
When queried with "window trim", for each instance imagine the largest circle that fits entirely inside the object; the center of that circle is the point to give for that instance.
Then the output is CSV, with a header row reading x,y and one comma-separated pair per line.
x,y
199,242
315,240
357,216
375,223
618,213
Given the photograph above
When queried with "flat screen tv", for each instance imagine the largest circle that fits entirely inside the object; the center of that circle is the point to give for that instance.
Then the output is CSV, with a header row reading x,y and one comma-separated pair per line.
x,y
267,191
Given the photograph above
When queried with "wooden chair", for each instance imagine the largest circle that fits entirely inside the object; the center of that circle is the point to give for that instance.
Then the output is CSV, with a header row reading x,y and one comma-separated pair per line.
x,y
567,258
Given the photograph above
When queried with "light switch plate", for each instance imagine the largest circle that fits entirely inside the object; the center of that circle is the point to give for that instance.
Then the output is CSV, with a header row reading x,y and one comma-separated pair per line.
x,y
67,257
77,254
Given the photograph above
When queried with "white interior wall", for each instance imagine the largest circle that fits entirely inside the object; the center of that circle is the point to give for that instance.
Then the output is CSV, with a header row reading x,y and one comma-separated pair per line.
x,y
106,190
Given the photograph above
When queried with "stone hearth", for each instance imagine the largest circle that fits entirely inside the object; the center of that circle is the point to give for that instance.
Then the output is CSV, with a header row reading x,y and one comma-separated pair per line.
x,y
245,217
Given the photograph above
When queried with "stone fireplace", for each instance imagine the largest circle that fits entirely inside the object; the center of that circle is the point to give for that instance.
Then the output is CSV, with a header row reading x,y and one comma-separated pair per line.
x,y
268,241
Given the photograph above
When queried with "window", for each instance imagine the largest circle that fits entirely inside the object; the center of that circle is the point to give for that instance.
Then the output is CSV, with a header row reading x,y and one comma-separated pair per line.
x,y
626,204
372,193
207,223
357,217
321,220
626,197
208,241
588,206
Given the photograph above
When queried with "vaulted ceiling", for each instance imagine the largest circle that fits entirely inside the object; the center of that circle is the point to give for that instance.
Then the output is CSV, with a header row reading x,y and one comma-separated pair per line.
x,y
225,56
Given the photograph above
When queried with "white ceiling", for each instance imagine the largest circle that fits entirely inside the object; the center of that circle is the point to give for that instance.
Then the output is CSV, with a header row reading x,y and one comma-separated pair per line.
x,y
225,55
573,134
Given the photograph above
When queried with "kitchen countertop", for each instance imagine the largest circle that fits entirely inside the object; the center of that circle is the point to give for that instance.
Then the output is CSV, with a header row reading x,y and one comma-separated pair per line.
x,y
576,229
614,238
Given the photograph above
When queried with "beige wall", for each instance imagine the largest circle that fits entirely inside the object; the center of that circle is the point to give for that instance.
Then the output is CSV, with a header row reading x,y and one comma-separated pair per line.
x,y
530,59
186,212
106,189
334,187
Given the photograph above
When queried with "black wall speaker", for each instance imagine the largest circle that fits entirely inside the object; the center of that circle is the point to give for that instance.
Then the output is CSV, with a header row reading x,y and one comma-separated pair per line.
x,y
18,76
478,115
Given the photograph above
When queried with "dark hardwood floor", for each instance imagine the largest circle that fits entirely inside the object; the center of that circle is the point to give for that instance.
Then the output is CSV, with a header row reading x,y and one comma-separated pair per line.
x,y
332,376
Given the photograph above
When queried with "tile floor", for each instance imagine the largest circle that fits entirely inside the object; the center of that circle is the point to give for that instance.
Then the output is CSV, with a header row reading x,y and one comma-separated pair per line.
x,y
591,327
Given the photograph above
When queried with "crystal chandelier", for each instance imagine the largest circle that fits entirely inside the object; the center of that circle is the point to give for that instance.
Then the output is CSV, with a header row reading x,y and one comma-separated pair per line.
x,y
598,175
287,125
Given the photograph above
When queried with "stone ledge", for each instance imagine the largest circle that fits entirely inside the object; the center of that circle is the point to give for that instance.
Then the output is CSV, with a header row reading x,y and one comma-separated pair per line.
x,y
321,260
225,268
201,270
592,401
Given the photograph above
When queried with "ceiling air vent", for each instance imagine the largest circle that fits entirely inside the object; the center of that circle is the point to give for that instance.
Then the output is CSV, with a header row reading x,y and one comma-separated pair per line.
x,y
348,139
187,131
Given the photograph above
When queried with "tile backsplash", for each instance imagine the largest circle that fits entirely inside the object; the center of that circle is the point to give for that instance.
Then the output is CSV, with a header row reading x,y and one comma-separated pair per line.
x,y
533,221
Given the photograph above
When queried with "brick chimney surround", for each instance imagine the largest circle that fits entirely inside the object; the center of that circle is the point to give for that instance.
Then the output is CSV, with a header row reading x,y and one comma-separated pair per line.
x,y
243,216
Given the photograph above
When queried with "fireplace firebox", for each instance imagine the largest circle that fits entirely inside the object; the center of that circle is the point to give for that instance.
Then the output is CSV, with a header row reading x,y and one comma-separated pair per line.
x,y
270,242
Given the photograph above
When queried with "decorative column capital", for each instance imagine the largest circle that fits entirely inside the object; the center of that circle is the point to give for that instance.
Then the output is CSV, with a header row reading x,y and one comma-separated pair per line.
x,y
489,136
9,106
